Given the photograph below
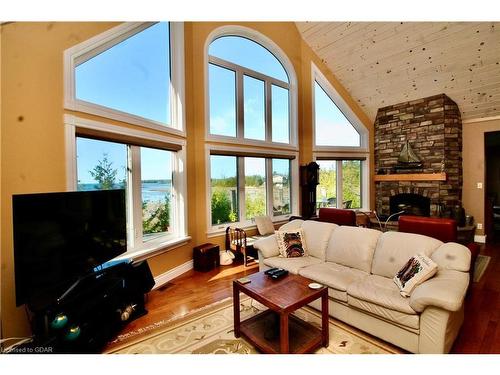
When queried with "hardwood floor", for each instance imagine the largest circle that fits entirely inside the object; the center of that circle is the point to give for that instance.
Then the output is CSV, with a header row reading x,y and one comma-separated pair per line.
x,y
480,332
193,290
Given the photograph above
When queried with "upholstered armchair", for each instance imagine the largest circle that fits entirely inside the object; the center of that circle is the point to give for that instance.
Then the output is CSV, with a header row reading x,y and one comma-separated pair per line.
x,y
337,216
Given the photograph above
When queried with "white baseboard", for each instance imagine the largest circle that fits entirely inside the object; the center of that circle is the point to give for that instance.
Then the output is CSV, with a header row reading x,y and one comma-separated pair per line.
x,y
172,274
480,238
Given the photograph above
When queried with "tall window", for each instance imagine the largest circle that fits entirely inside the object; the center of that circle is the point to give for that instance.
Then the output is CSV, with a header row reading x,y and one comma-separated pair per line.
x,y
240,185
339,183
129,73
341,149
249,92
132,73
251,130
103,165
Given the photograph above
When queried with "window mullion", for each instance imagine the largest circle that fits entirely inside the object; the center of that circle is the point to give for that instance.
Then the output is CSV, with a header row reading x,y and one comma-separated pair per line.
x,y
135,195
340,197
240,117
269,188
175,221
268,111
241,189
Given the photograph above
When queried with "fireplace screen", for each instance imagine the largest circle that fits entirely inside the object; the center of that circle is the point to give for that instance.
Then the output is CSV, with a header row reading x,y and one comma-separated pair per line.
x,y
411,204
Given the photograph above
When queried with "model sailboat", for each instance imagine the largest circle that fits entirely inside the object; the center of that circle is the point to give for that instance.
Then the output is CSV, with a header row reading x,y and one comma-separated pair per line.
x,y
408,159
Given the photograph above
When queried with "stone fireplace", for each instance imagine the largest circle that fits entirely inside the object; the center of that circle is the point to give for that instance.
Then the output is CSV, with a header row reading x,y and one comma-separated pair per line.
x,y
432,127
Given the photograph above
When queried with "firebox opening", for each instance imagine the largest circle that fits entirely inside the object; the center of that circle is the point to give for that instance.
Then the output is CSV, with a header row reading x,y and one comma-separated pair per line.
x,y
411,204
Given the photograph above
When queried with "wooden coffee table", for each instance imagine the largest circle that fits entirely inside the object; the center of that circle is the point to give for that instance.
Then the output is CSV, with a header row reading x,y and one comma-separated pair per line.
x,y
276,330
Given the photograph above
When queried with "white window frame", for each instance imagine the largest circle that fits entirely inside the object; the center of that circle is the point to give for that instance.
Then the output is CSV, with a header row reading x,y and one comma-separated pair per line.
x,y
273,48
339,101
136,248
90,48
365,175
215,230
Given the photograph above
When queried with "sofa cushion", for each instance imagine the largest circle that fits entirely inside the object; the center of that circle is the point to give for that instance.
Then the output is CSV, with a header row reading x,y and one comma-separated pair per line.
x,y
353,247
395,317
418,269
292,225
333,275
395,248
381,291
293,265
316,235
452,256
291,243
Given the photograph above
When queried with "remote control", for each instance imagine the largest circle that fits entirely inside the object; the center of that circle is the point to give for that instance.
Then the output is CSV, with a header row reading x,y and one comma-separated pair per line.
x,y
279,274
271,270
275,271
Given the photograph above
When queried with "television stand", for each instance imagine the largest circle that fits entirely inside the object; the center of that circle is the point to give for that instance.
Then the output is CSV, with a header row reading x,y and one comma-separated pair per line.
x,y
93,309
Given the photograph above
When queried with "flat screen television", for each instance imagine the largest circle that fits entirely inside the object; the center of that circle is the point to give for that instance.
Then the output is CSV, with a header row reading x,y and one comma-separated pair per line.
x,y
62,237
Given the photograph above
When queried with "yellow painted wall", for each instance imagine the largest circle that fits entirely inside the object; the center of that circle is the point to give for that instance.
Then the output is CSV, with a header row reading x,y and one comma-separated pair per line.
x,y
474,167
32,129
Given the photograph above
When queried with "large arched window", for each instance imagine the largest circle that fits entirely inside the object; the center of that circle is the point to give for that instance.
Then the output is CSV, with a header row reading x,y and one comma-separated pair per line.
x,y
251,101
249,92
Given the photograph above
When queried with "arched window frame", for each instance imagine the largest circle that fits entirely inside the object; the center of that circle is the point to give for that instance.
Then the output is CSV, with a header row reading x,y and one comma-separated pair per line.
x,y
217,143
334,95
92,47
255,36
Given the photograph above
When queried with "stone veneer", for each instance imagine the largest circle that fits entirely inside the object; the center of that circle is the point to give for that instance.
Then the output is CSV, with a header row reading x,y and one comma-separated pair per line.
x,y
433,127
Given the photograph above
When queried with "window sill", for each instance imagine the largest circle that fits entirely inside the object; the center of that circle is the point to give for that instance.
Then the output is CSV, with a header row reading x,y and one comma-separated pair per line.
x,y
149,250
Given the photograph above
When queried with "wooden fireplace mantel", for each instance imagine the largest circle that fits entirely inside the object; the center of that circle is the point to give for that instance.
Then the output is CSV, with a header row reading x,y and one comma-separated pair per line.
x,y
411,177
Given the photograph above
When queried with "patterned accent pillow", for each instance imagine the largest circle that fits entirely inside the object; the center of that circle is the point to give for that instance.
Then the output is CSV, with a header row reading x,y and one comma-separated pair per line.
x,y
418,269
291,243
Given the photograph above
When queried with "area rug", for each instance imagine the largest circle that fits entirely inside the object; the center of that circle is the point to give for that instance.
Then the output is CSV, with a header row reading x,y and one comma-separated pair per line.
x,y
210,331
480,266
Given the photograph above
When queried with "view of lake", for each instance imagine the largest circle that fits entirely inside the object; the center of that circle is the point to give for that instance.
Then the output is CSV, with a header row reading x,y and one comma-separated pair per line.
x,y
151,190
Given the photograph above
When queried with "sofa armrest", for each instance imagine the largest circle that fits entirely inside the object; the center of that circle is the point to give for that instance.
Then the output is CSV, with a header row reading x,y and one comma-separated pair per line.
x,y
445,290
268,246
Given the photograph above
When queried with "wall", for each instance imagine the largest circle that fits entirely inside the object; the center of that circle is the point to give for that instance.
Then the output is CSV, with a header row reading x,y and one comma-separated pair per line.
x,y
474,166
32,138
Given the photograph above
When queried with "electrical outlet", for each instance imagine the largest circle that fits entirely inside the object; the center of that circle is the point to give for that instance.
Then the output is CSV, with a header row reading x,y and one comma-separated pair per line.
x,y
479,185
479,226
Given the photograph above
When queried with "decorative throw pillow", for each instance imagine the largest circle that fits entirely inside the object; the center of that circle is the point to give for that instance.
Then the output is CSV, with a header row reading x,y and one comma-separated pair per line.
x,y
418,269
264,225
291,243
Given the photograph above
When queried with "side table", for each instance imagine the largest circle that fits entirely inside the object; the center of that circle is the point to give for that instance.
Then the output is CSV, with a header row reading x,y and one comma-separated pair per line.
x,y
465,235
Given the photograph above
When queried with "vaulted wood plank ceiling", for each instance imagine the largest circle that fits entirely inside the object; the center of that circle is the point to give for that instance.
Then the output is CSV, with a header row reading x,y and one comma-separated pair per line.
x,y
385,63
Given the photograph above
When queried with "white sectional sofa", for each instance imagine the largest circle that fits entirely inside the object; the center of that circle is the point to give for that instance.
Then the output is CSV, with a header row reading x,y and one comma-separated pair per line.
x,y
358,264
